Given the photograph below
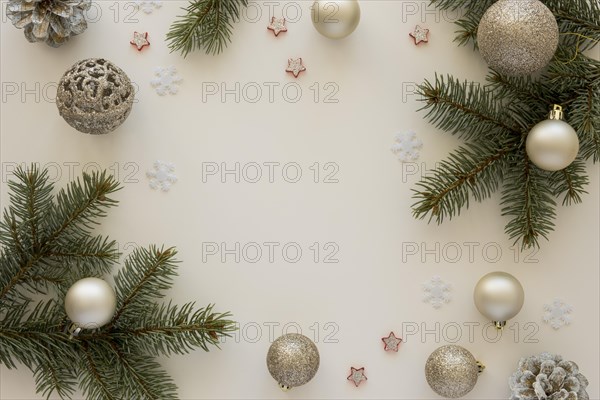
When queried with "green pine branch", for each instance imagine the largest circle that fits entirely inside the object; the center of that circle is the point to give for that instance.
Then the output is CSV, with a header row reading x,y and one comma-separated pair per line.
x,y
465,109
47,244
495,120
206,25
528,200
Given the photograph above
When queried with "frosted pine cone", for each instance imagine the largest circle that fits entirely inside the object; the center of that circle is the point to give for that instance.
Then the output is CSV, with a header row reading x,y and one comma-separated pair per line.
x,y
50,21
547,377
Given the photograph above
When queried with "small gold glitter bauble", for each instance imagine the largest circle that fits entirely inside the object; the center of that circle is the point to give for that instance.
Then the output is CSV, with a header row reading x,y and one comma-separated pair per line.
x,y
517,37
552,144
293,360
94,96
452,371
335,19
90,303
499,296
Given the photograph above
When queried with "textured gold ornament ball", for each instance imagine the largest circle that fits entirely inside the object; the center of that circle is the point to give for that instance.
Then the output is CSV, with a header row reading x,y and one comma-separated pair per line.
x,y
335,19
552,145
517,37
90,303
94,96
292,360
451,371
499,296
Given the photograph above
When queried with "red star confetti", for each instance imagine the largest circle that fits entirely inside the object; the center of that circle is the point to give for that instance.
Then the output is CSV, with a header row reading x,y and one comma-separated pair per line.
x,y
357,375
420,34
295,66
391,342
140,40
277,25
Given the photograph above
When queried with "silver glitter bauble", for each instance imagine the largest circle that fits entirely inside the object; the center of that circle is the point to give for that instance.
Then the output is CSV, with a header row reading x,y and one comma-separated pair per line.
x,y
499,297
548,376
293,360
50,21
552,144
94,96
90,303
517,37
335,19
452,371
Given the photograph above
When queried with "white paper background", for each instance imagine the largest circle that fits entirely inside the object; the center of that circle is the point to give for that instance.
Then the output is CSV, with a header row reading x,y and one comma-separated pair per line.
x,y
371,290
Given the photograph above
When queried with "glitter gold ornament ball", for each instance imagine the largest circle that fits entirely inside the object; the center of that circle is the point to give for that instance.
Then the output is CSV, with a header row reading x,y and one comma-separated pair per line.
x,y
452,371
335,19
517,37
94,96
293,360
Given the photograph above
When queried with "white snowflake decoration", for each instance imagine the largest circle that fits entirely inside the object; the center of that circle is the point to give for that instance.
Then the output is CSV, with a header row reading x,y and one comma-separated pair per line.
x,y
166,80
148,6
162,175
557,313
407,146
437,292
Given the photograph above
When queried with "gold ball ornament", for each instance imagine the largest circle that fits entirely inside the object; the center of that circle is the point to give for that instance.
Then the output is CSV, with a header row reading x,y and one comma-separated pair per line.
x,y
292,360
517,37
452,371
552,144
94,96
499,296
335,19
90,303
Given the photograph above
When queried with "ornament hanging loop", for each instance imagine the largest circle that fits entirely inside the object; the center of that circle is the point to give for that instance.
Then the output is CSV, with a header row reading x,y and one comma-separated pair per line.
x,y
480,367
556,113
73,330
284,388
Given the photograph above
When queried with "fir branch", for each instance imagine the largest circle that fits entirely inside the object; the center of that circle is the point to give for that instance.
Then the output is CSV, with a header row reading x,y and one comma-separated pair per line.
x,y
55,375
570,183
147,273
66,222
96,370
115,361
527,198
207,25
465,109
143,378
170,329
474,170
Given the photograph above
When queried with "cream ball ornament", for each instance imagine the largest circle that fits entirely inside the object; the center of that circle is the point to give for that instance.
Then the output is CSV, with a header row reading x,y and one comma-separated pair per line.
x,y
517,37
292,360
552,144
90,303
335,19
452,371
499,296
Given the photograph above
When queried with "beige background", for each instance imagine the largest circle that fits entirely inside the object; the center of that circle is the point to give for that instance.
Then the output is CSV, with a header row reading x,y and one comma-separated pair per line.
x,y
350,304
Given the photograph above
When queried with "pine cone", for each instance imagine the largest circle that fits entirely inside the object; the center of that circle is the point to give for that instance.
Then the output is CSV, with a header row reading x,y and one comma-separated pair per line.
x,y
547,377
51,21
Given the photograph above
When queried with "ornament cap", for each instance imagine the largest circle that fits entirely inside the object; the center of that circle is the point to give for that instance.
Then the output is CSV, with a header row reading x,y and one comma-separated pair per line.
x,y
480,367
284,388
556,113
499,324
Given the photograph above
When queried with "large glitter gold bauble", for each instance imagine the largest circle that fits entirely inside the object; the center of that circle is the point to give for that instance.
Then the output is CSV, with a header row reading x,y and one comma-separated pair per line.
x,y
293,360
552,144
452,371
499,296
335,19
517,37
90,303
94,96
